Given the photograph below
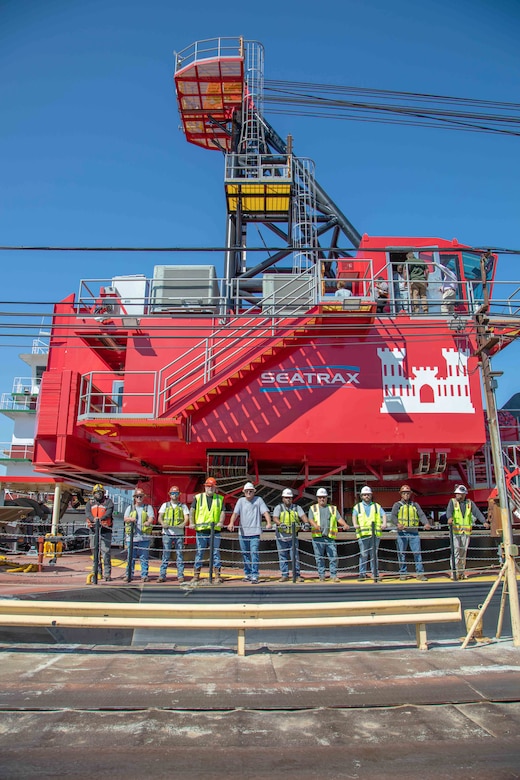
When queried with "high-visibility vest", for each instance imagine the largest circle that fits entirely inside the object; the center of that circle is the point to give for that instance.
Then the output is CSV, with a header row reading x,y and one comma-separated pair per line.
x,y
288,517
408,515
173,515
365,520
333,528
98,511
462,524
204,517
145,529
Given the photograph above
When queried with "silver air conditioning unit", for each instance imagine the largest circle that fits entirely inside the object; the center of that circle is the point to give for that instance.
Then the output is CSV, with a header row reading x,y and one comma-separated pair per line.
x,y
287,294
185,289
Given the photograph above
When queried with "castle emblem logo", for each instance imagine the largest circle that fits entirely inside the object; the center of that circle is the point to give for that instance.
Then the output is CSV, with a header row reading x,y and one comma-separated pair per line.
x,y
422,389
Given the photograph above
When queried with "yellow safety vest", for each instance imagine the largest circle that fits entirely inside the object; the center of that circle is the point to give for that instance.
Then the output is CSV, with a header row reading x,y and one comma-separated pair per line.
x,y
408,515
333,528
289,517
145,529
204,517
462,524
365,521
173,515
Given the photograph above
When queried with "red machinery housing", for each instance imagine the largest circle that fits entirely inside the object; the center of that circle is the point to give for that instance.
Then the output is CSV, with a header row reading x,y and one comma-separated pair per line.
x,y
334,393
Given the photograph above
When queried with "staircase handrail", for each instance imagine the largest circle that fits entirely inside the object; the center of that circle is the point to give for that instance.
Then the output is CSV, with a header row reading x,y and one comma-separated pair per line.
x,y
241,349
193,366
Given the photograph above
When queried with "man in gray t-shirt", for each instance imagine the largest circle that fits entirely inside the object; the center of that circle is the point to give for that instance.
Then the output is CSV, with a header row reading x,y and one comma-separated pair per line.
x,y
250,509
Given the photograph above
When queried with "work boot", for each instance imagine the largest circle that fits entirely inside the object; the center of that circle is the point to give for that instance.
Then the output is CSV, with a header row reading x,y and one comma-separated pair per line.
x,y
196,576
283,579
422,577
218,579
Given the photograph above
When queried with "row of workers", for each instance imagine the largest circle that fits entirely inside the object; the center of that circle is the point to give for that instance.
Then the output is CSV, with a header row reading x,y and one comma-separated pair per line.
x,y
207,517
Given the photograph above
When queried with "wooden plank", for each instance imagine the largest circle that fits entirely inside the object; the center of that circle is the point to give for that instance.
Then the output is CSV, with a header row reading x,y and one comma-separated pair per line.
x,y
241,643
186,623
420,635
366,609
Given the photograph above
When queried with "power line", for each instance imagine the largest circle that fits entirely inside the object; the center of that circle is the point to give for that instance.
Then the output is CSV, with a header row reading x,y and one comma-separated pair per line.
x,y
336,249
393,107
273,83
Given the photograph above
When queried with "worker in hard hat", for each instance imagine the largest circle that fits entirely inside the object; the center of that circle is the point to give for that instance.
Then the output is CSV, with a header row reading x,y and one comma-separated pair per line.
x,y
174,516
100,507
325,519
462,514
249,510
408,515
141,516
369,519
207,517
287,515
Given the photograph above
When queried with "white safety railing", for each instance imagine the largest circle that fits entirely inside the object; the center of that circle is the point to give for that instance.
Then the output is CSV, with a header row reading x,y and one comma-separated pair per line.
x,y
26,385
96,401
11,451
39,347
17,404
209,48
107,300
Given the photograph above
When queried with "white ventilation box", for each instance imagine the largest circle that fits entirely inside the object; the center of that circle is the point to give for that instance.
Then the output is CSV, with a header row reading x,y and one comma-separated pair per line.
x,y
132,291
188,287
287,294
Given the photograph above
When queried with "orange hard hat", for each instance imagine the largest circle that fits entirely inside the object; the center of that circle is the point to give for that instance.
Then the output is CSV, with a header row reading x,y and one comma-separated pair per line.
x,y
405,488
174,489
210,482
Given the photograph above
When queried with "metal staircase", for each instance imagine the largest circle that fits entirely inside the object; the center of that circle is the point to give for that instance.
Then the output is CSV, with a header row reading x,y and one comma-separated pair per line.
x,y
195,382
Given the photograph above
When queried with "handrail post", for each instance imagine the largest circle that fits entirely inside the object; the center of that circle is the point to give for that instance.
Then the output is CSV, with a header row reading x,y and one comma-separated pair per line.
x,y
294,540
130,553
374,562
211,552
452,554
95,566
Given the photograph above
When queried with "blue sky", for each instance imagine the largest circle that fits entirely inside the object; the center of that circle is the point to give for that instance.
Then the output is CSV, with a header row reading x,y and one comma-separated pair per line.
x,y
91,153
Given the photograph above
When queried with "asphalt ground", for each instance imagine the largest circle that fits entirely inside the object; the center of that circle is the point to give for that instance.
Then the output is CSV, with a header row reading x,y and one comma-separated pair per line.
x,y
358,712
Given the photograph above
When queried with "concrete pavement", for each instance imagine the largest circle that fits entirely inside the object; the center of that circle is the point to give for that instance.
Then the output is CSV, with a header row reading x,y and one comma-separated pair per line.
x,y
305,713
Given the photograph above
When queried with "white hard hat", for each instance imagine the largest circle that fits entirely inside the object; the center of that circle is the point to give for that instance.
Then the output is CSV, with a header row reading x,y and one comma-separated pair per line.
x,y
460,489
321,492
365,490
249,486
287,493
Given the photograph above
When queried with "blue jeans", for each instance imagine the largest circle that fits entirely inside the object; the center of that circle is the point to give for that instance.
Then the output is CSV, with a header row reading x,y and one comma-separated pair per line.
x,y
141,551
168,542
411,539
365,550
324,547
203,542
249,547
285,555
